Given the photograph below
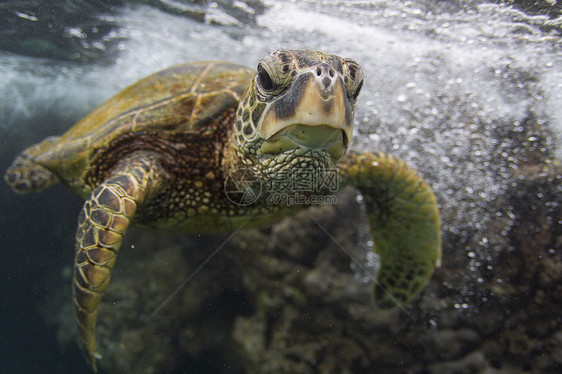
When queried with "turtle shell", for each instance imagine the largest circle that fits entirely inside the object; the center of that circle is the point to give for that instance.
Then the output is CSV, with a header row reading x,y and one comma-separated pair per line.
x,y
181,99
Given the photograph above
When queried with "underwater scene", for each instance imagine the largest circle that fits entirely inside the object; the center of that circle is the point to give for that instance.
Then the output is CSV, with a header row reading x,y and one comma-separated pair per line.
x,y
467,93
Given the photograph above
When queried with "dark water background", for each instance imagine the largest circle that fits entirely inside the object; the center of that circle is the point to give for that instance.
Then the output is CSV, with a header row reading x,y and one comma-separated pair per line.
x,y
467,92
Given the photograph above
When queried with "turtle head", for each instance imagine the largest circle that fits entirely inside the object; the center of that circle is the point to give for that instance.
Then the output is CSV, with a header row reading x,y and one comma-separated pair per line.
x,y
299,108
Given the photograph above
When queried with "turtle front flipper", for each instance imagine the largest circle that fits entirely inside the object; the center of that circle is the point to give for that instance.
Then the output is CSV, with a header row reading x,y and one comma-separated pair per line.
x,y
102,223
404,221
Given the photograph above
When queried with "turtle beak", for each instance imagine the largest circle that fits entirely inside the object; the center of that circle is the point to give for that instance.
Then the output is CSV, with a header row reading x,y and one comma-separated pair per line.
x,y
315,112
304,137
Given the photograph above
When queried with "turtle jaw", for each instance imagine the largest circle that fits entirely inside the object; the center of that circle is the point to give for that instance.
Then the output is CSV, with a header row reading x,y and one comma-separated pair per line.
x,y
301,138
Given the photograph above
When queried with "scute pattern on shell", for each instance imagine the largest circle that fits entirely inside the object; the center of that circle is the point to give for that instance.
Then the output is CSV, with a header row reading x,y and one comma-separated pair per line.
x,y
183,99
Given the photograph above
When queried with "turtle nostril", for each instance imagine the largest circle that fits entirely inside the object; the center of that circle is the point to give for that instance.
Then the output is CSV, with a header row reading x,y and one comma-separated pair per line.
x,y
318,71
332,73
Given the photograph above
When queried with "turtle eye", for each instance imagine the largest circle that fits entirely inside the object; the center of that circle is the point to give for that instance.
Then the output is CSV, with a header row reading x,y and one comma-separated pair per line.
x,y
264,80
274,73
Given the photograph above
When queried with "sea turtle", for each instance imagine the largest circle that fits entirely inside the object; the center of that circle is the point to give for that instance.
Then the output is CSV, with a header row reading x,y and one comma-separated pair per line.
x,y
203,147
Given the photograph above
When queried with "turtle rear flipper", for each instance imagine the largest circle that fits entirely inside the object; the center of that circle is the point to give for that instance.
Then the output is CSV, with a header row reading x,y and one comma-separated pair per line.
x,y
25,175
404,220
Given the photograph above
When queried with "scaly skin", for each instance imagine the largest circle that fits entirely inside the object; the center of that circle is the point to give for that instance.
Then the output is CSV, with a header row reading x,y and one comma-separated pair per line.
x,y
24,176
102,223
404,220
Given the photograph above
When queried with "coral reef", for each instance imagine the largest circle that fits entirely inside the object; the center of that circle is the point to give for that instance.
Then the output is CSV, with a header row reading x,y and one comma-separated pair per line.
x,y
315,317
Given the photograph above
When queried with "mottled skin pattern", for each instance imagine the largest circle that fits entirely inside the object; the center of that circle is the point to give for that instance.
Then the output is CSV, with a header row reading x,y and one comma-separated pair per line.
x,y
159,153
